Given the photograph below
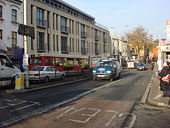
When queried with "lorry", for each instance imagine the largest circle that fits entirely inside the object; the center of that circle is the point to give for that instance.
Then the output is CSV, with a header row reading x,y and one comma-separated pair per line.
x,y
7,69
107,69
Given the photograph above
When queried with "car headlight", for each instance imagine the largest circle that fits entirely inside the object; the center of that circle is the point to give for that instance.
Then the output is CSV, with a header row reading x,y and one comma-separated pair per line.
x,y
109,71
94,71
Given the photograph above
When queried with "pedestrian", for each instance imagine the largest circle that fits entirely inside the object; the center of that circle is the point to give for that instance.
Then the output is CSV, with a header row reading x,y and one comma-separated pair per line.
x,y
164,77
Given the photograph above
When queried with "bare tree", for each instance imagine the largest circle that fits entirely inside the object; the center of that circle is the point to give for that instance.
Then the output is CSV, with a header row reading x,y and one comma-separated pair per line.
x,y
137,38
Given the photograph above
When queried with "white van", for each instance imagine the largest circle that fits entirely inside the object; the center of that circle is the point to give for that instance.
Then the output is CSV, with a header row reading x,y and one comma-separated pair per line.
x,y
7,71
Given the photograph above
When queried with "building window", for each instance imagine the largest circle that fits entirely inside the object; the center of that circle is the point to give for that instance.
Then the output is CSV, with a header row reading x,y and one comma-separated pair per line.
x,y
48,42
14,15
40,41
32,44
54,42
57,48
48,19
64,47
83,47
31,14
14,39
40,17
63,23
1,34
1,11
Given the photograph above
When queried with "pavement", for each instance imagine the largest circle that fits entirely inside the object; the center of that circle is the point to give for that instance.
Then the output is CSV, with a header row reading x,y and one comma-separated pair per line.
x,y
155,96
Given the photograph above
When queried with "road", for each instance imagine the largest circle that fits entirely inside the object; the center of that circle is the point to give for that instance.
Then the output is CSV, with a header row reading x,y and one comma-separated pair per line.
x,y
82,104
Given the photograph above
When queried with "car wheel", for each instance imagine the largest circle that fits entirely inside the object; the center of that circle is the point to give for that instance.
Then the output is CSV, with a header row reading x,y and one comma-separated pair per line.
x,y
63,77
46,79
94,78
119,76
111,79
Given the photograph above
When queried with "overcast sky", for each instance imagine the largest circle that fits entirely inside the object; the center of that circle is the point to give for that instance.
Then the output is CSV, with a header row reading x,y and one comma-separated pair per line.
x,y
151,14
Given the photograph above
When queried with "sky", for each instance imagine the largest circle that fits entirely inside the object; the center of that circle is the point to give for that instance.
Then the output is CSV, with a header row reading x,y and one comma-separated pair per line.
x,y
121,16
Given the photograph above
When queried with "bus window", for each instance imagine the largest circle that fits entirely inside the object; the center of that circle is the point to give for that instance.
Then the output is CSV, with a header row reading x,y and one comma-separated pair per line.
x,y
77,62
35,61
68,63
50,61
59,62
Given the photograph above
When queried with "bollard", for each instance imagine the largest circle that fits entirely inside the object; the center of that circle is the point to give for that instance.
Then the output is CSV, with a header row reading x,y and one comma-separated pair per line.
x,y
19,81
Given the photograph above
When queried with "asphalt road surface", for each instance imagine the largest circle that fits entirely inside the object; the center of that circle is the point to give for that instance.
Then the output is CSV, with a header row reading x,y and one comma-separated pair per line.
x,y
82,104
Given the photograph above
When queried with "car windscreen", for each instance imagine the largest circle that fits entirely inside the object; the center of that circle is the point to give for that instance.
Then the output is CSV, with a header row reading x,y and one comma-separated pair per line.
x,y
38,69
104,64
140,64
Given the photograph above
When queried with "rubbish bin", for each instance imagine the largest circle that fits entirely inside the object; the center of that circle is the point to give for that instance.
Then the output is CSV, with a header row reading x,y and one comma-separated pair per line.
x,y
19,81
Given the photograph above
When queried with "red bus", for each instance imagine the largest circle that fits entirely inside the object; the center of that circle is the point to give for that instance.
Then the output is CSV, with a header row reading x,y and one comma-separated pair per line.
x,y
70,65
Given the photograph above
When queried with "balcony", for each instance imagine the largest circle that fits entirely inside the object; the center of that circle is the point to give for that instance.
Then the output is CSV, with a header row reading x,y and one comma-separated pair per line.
x,y
41,23
83,50
65,30
83,34
41,50
96,38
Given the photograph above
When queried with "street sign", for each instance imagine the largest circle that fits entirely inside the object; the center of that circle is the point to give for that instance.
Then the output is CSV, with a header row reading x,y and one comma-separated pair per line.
x,y
26,30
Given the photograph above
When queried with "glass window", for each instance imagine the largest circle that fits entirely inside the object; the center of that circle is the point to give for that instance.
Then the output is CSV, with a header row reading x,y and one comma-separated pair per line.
x,y
63,22
40,40
40,17
64,44
1,34
14,39
59,62
35,61
14,15
38,69
1,11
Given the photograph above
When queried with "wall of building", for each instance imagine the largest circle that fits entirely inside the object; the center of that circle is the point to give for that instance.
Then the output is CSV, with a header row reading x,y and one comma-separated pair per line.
x,y
53,33
6,23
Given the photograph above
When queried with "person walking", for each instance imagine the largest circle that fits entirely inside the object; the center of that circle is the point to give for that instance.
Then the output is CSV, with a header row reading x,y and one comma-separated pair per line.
x,y
164,77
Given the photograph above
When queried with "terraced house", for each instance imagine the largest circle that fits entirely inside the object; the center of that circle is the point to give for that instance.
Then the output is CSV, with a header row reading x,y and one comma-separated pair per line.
x,y
61,29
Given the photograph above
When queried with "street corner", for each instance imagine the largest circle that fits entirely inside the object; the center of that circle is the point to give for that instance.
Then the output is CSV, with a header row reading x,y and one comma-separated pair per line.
x,y
85,113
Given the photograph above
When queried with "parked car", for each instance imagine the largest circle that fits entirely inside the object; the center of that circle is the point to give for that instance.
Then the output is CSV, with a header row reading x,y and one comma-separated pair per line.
x,y
45,73
141,66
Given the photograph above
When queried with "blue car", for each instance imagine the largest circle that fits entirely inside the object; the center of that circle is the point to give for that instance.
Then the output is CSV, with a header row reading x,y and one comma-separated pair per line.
x,y
107,69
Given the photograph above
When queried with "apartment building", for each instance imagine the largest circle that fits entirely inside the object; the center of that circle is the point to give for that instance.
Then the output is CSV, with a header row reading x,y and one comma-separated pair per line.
x,y
11,14
63,29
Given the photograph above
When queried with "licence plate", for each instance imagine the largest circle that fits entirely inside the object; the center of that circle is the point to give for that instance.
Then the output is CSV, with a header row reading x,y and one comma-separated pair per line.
x,y
100,75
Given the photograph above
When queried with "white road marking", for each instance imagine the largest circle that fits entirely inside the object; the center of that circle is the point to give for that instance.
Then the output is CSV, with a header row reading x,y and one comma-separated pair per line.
x,y
110,121
16,103
4,107
88,115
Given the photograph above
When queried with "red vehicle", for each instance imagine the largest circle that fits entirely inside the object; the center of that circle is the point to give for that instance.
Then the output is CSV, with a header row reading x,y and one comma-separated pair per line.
x,y
70,65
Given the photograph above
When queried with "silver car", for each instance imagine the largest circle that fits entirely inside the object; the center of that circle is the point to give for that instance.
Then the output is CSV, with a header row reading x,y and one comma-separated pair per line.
x,y
45,73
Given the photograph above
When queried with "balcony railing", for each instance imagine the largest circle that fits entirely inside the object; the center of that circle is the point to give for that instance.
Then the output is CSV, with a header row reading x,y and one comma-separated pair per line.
x,y
65,29
96,38
41,23
83,34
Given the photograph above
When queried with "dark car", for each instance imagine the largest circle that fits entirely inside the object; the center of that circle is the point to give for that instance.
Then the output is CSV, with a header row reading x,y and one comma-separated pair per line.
x,y
141,66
